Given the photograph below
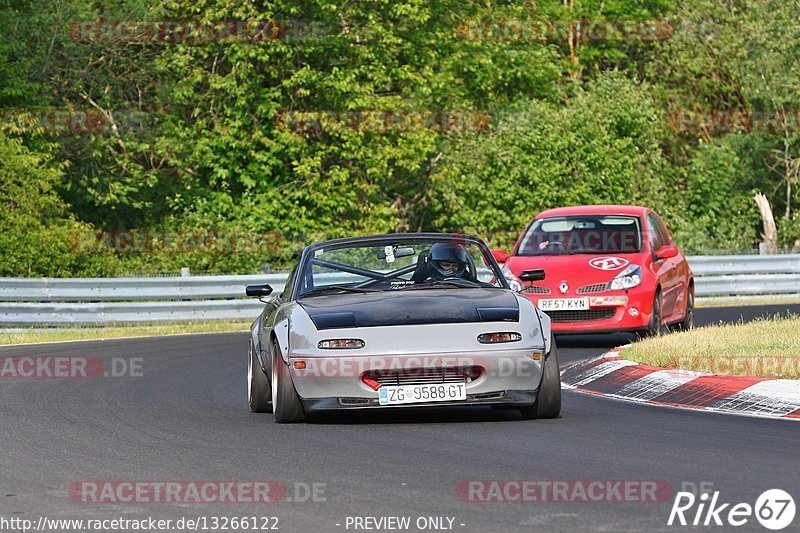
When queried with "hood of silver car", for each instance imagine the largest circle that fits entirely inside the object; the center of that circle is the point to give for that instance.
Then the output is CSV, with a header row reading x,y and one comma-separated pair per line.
x,y
428,306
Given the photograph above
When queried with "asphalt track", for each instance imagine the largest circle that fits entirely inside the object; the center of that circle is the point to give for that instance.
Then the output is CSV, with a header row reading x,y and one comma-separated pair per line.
x,y
186,418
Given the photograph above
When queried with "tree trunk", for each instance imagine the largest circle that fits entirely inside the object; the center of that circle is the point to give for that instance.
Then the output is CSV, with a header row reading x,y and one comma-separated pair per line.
x,y
770,232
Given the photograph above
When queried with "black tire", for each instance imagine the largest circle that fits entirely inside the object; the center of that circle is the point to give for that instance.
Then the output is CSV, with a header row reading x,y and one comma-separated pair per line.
x,y
259,391
654,328
688,319
285,401
548,401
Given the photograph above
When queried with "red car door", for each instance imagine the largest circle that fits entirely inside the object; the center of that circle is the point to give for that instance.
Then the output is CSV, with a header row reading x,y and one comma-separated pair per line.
x,y
665,268
679,273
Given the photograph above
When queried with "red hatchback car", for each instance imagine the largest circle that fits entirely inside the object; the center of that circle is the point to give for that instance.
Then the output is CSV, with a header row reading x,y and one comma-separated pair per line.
x,y
608,268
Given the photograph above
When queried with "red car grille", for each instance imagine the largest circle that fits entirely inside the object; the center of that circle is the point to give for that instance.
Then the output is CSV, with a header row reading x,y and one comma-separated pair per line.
x,y
597,287
533,289
582,316
421,376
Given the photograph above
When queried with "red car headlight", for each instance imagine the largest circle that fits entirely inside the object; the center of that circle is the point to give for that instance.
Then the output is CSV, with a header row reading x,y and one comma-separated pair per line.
x,y
627,279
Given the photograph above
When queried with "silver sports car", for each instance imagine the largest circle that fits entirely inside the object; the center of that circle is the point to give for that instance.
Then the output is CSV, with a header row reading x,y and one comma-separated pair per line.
x,y
406,320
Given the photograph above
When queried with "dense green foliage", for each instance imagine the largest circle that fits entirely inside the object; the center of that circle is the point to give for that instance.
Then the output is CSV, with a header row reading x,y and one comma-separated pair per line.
x,y
195,136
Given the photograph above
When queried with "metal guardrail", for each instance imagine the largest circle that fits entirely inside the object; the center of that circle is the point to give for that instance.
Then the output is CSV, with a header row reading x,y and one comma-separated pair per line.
x,y
748,285
131,289
730,276
81,314
87,301
64,301
724,265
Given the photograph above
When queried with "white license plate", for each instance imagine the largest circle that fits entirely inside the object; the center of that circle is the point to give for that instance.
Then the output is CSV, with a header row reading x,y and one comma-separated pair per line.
x,y
564,304
431,392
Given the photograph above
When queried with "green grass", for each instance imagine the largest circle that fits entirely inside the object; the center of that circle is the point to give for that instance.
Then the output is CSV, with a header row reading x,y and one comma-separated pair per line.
x,y
33,335
747,300
768,348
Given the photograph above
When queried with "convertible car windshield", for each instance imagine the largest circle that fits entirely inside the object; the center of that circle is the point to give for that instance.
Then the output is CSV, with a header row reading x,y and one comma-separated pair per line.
x,y
397,264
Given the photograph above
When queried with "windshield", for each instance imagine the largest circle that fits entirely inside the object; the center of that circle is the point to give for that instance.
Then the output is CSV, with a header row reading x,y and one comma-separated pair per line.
x,y
398,264
584,234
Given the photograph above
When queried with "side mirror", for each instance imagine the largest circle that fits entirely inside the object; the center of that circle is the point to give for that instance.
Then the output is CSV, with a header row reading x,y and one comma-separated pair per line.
x,y
667,251
258,291
536,274
500,256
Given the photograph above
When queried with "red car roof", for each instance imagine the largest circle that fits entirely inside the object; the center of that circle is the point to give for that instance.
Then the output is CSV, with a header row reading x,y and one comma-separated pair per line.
x,y
631,210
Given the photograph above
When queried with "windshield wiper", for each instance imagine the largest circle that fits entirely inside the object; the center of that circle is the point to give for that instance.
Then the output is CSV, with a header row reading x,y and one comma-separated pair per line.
x,y
438,284
336,289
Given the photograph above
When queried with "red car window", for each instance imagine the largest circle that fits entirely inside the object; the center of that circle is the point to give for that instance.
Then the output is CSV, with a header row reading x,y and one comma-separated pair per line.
x,y
657,234
584,234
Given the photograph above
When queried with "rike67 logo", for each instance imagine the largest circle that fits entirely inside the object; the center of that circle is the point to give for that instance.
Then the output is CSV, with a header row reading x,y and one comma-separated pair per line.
x,y
774,509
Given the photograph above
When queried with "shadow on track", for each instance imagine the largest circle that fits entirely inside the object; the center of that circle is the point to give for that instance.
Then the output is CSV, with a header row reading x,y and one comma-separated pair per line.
x,y
594,341
427,415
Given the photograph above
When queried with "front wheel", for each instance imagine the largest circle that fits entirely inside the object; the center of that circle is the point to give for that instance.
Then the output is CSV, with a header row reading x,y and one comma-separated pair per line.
x,y
654,327
259,394
285,401
688,319
548,401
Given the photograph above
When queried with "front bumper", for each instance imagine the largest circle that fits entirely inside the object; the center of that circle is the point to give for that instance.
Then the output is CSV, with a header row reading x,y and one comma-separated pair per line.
x,y
511,398
632,316
505,376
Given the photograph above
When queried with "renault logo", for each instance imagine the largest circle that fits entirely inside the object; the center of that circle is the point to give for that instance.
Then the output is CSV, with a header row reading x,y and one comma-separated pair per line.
x,y
563,287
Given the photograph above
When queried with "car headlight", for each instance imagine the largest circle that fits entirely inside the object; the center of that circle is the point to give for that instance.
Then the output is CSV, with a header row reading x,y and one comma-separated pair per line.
x,y
513,281
494,338
627,279
340,344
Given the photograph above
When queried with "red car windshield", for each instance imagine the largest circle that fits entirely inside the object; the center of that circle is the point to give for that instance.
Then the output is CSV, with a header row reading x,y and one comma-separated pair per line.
x,y
582,234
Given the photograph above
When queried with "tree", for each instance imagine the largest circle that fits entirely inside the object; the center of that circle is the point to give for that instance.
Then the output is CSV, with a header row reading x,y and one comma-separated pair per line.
x,y
36,224
602,147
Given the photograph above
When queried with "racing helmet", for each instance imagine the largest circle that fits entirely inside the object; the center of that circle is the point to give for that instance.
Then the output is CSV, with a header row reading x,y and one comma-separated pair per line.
x,y
448,259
